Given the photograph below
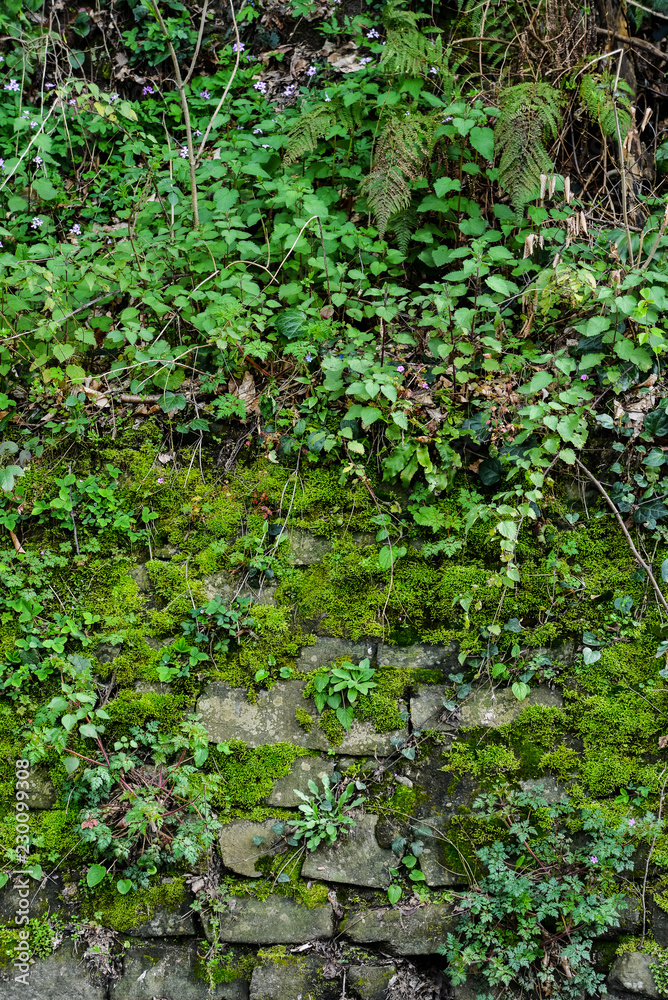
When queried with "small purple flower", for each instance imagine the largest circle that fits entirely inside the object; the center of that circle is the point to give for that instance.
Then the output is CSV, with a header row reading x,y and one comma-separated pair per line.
x,y
76,229
261,86
38,160
289,90
2,163
327,97
632,822
309,358
424,385
197,132
433,71
400,368
36,222
448,119
250,57
12,85
183,152
594,859
366,60
258,131
34,124
49,86
113,97
205,95
265,145
72,102
583,378
147,91
372,34
238,47
160,479
311,71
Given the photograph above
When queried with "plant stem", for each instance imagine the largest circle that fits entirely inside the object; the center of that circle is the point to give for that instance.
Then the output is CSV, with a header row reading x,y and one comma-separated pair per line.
x,y
181,87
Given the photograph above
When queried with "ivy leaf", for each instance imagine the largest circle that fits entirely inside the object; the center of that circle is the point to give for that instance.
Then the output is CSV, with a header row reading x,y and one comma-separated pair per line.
x,y
71,764
124,885
94,875
394,894
590,655
35,871
520,690
8,477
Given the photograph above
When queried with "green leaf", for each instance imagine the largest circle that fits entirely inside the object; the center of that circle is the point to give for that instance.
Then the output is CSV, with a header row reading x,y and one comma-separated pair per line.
x,y
3,879
124,885
567,455
394,894
88,730
8,477
482,140
501,285
35,871
520,690
71,764
63,352
44,188
664,570
94,875
369,415
540,381
429,517
590,655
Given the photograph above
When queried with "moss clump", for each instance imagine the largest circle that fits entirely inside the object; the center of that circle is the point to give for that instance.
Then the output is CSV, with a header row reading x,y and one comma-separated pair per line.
x,y
56,834
304,719
226,967
249,774
563,761
406,800
482,761
122,913
332,728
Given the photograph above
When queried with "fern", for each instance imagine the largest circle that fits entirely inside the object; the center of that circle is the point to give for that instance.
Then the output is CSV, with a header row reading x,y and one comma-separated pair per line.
x,y
401,150
316,124
530,114
408,49
596,93
403,224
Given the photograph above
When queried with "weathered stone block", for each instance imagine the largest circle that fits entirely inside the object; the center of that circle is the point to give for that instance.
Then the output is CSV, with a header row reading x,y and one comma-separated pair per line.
x,y
222,585
401,932
370,981
168,971
307,549
166,923
419,657
228,715
428,711
303,770
275,920
355,858
328,649
42,794
237,847
60,976
631,972
289,977
498,709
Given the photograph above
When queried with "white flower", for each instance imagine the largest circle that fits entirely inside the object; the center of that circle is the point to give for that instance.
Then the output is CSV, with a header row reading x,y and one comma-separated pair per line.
x,y
183,152
327,97
433,70
12,85
76,229
37,222
261,86
38,160
257,131
372,34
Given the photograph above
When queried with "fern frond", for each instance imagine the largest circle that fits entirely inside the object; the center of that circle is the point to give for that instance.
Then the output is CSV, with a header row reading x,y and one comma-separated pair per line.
x,y
596,93
312,126
400,153
530,114
403,224
408,49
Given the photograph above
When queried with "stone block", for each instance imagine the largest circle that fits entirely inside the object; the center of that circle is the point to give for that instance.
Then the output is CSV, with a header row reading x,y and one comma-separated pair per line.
x,y
237,847
355,858
435,865
228,715
401,932
42,896
631,973
291,977
328,649
42,793
62,976
166,923
420,657
303,770
167,971
275,920
428,712
225,586
499,708
370,982
307,549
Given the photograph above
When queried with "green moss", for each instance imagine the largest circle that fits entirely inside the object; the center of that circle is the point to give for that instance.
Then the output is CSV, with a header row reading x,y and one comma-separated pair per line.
x,y
249,774
304,719
122,913
225,967
332,728
562,762
406,800
480,760
130,708
56,833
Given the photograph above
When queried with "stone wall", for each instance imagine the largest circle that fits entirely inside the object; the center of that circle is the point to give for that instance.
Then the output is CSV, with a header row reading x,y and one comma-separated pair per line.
x,y
329,932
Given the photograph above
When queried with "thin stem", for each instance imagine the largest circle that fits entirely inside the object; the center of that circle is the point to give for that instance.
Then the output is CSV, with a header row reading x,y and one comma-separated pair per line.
x,y
645,565
229,82
180,86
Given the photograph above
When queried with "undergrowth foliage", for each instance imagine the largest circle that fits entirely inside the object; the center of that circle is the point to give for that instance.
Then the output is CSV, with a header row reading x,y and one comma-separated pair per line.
x,y
407,290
